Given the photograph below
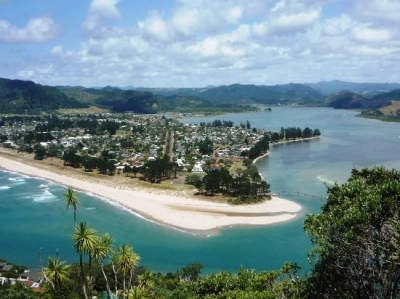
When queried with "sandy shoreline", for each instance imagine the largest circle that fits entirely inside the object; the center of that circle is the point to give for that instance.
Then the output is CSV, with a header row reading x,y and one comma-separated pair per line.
x,y
181,212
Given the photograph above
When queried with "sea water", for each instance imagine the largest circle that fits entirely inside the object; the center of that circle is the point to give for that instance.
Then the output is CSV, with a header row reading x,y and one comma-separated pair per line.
x,y
33,217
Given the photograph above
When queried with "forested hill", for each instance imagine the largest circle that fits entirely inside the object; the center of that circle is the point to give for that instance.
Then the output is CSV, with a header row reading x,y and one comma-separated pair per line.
x,y
239,94
17,96
352,100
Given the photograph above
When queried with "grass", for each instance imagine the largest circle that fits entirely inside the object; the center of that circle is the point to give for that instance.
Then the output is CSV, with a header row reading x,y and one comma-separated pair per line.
x,y
90,110
392,109
235,166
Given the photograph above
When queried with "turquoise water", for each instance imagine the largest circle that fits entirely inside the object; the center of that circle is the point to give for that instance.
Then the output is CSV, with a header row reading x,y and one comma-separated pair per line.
x,y
32,215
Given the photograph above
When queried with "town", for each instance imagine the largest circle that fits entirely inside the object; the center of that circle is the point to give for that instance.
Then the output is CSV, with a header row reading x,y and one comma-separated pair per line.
x,y
152,147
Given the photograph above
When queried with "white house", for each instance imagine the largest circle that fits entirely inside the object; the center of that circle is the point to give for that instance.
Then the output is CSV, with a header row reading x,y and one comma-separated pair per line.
x,y
197,169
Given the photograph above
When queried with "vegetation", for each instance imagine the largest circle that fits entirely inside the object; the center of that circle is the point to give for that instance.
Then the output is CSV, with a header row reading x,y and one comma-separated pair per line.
x,y
26,97
390,112
357,237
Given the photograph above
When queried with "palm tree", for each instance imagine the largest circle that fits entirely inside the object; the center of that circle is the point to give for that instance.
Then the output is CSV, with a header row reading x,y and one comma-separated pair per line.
x,y
114,265
71,199
56,274
126,259
147,281
84,241
103,248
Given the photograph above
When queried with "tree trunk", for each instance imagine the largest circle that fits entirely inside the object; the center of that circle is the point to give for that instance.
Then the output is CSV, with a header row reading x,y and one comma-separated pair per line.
x,y
90,274
123,280
130,278
83,277
106,279
115,279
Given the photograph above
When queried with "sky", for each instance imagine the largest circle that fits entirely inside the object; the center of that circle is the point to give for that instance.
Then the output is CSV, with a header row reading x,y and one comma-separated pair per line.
x,y
198,43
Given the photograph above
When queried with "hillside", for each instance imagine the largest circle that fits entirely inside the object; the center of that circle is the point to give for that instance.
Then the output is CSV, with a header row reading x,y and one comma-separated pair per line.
x,y
239,94
350,100
388,112
327,88
344,100
17,96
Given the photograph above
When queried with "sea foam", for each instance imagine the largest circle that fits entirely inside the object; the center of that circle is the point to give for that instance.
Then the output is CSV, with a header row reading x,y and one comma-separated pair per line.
x,y
45,196
325,180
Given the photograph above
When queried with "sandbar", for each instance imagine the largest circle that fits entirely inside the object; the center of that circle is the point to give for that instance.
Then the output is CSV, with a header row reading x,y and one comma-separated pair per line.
x,y
183,212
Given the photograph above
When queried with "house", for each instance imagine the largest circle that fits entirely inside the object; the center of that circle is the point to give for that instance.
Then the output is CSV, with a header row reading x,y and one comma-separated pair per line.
x,y
9,144
197,169
34,275
4,267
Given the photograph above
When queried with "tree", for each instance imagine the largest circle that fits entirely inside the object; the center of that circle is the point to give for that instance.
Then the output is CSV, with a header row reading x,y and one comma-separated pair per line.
x,y
125,259
357,238
195,180
56,274
40,152
191,272
84,241
71,199
206,146
103,248
307,133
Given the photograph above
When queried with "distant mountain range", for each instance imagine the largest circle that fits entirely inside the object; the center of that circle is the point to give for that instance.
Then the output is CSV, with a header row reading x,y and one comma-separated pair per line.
x,y
19,96
239,94
327,88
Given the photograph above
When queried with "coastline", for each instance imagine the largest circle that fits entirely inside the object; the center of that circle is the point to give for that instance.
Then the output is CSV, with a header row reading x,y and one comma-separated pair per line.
x,y
180,211
283,142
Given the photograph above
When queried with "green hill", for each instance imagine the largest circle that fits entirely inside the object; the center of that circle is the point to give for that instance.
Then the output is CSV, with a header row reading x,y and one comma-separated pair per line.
x,y
239,94
351,100
17,96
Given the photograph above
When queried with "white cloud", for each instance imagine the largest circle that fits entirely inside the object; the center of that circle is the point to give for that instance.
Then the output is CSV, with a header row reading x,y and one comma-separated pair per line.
x,y
56,50
101,10
294,22
383,11
36,30
196,43
337,26
365,34
154,27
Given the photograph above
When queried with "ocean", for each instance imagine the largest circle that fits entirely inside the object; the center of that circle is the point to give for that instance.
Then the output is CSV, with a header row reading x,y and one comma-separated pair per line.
x,y
33,217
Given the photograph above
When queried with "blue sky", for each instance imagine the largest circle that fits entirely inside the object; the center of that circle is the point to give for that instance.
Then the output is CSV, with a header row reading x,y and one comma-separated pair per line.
x,y
195,43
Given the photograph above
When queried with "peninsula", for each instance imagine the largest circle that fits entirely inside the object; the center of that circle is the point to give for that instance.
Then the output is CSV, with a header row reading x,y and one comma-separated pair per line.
x,y
118,158
181,211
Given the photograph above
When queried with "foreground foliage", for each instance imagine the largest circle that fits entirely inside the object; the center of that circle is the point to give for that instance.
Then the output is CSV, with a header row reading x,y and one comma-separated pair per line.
x,y
357,238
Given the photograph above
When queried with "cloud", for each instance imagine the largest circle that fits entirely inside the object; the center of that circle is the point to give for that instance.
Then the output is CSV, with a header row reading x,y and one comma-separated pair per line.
x,y
195,43
100,10
366,34
382,11
293,22
36,30
154,27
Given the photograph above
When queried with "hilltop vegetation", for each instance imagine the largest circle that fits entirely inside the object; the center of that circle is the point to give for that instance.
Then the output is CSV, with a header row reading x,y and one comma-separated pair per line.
x,y
239,94
351,100
17,96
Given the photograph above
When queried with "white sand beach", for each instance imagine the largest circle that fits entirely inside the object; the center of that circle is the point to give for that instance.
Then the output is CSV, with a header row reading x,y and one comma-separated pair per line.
x,y
186,213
